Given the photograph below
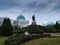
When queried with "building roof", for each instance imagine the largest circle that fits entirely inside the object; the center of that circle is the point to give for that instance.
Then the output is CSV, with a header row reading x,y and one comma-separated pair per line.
x,y
20,17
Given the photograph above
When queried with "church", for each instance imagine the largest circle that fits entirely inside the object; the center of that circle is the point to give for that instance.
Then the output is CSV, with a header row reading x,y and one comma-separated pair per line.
x,y
20,22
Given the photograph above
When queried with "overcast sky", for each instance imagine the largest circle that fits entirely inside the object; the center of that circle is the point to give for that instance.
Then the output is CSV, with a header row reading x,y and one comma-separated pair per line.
x,y
44,10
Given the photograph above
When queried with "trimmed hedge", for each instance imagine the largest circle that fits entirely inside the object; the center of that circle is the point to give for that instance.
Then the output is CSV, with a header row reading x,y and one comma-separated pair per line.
x,y
18,39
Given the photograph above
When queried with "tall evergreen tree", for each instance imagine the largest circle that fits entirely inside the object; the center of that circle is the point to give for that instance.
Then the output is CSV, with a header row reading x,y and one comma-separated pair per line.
x,y
57,26
6,28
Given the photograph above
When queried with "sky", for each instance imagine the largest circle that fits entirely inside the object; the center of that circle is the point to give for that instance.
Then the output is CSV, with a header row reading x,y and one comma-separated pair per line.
x,y
45,11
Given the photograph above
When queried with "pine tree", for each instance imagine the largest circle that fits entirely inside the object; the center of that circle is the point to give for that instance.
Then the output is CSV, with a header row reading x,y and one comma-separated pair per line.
x,y
6,28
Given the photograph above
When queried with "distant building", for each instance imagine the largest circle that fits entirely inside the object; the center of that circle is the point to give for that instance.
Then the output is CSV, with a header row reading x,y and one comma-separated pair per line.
x,y
20,22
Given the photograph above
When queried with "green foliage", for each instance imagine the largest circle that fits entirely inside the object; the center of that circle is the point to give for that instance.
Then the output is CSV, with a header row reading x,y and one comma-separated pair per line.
x,y
52,28
37,29
57,26
20,31
34,29
18,39
6,28
0,30
14,40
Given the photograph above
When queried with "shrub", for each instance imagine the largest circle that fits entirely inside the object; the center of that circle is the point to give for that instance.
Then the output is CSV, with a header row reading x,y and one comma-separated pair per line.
x,y
18,39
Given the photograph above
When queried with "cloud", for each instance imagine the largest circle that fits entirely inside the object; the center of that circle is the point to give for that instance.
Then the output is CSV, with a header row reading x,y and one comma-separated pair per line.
x,y
30,5
12,8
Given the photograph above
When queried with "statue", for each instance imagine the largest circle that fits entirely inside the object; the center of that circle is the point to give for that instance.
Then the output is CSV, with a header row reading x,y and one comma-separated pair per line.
x,y
33,18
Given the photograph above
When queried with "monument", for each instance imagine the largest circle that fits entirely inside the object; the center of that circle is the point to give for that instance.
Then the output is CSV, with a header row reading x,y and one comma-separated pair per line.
x,y
33,20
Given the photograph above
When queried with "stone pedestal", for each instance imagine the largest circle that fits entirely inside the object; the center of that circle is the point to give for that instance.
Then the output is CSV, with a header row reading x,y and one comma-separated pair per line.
x,y
33,23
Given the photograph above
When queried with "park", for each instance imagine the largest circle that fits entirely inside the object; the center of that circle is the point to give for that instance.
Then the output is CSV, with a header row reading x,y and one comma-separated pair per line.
x,y
29,22
31,35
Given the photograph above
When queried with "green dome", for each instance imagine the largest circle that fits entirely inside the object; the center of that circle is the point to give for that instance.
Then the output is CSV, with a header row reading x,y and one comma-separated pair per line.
x,y
20,17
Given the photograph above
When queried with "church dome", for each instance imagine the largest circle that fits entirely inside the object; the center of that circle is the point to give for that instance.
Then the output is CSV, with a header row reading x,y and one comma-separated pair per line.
x,y
20,17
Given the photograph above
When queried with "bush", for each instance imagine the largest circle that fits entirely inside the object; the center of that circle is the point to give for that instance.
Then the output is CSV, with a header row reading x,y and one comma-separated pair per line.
x,y
18,39
37,29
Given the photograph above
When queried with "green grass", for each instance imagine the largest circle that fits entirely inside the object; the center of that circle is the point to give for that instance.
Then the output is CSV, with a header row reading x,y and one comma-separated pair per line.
x,y
44,41
2,39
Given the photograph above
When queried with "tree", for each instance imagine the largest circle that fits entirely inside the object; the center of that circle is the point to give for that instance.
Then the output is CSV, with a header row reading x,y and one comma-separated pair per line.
x,y
37,29
57,26
6,28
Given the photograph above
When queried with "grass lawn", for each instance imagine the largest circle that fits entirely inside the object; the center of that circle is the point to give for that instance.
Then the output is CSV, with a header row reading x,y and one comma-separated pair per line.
x,y
44,41
2,39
